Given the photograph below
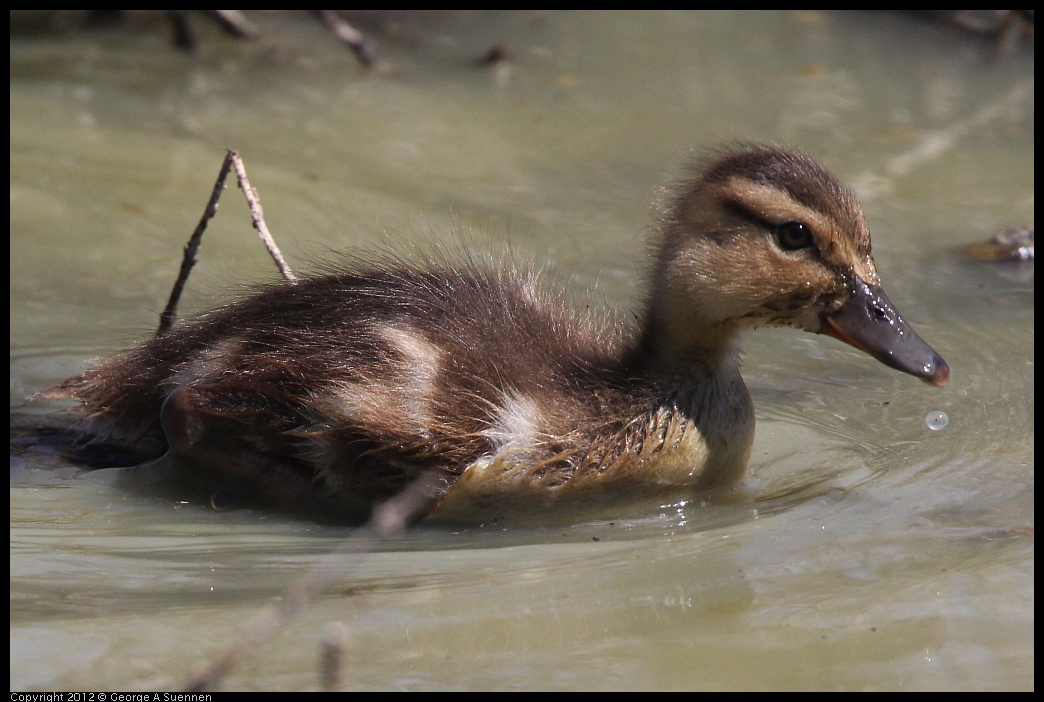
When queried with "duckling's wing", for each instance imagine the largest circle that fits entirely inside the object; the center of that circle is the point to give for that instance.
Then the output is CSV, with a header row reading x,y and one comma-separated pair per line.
x,y
350,386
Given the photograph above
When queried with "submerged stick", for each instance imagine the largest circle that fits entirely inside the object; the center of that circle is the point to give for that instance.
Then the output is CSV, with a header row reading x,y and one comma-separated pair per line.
x,y
232,158
331,661
387,520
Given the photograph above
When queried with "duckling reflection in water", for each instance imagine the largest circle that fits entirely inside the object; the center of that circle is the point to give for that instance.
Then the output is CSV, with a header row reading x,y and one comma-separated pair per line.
x,y
330,395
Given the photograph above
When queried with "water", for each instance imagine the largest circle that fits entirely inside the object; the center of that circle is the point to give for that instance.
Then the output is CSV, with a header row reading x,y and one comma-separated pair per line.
x,y
865,551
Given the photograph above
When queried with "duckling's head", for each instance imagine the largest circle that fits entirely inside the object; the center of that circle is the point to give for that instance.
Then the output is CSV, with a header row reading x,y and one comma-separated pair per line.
x,y
764,236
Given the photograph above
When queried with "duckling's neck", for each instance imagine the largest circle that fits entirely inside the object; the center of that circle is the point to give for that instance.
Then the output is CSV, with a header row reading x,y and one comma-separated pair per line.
x,y
685,347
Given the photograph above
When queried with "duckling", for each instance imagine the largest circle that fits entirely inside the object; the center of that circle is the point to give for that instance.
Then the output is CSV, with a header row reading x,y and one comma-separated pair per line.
x,y
336,393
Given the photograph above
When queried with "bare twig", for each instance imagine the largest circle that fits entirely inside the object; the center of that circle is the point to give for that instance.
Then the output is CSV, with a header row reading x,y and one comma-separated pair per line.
x,y
235,23
189,259
183,37
258,215
387,520
364,49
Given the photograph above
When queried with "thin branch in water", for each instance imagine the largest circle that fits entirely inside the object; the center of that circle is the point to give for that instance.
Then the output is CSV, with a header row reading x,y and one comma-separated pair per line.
x,y
183,37
364,49
235,23
334,646
189,259
258,215
388,519
232,159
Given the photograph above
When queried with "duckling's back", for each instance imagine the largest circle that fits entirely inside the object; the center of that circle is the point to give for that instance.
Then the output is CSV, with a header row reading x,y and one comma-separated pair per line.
x,y
350,384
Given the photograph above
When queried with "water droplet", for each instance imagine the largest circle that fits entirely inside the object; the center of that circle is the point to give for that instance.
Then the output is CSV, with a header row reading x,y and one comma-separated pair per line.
x,y
936,420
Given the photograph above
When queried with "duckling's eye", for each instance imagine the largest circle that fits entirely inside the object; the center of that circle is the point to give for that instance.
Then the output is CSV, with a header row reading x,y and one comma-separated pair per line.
x,y
794,235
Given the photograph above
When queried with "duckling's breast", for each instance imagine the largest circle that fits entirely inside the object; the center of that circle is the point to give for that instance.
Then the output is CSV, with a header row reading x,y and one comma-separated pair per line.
x,y
694,440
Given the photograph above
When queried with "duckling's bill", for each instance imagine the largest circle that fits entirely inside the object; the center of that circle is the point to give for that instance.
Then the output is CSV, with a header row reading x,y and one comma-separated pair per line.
x,y
868,321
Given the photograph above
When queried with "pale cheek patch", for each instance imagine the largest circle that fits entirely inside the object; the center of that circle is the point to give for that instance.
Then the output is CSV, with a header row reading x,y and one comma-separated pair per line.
x,y
735,285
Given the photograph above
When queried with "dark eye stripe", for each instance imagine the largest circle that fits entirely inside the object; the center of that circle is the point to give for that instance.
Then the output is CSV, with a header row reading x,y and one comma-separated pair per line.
x,y
794,235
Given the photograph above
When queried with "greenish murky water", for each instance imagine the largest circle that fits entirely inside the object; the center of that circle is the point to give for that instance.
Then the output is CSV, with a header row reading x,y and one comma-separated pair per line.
x,y
865,550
